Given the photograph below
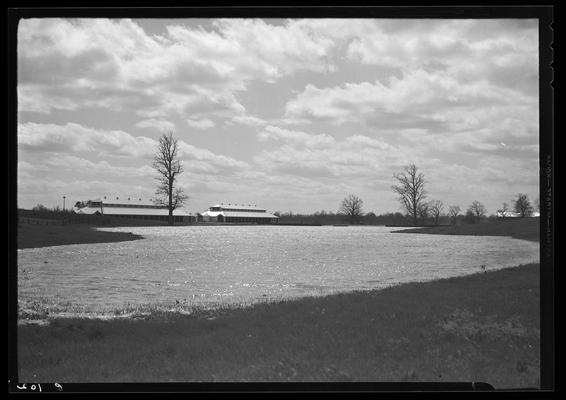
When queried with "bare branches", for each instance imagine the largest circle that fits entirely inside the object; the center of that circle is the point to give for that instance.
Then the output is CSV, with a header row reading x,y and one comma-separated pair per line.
x,y
435,208
168,166
352,206
523,205
423,212
477,210
453,212
165,161
410,189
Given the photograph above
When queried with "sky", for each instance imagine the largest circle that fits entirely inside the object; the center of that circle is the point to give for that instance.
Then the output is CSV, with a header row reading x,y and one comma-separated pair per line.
x,y
289,114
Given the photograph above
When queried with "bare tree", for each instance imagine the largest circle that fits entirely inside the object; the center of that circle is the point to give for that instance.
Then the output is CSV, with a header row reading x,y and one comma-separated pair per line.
x,y
410,189
435,207
453,212
168,166
352,207
523,205
478,210
503,210
423,211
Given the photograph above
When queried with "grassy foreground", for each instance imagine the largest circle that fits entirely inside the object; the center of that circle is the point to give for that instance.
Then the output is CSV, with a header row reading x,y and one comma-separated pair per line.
x,y
481,327
30,235
518,228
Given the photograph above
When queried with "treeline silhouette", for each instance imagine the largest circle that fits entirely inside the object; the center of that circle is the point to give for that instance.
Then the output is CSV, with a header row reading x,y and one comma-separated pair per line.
x,y
331,218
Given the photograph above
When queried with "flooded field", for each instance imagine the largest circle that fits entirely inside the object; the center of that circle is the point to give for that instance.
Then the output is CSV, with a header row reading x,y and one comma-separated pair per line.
x,y
212,266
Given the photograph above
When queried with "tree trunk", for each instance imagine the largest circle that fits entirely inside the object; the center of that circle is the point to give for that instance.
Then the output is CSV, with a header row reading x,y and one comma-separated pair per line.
x,y
415,222
170,203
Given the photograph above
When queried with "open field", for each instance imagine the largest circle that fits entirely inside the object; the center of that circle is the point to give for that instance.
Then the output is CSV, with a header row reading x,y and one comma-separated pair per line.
x,y
482,327
31,235
519,228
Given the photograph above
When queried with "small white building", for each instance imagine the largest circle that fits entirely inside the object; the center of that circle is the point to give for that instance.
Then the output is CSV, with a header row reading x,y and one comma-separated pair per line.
x,y
131,207
507,214
239,214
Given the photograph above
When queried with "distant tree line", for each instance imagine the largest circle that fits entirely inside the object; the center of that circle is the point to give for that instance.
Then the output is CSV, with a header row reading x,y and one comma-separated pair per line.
x,y
41,211
324,217
417,210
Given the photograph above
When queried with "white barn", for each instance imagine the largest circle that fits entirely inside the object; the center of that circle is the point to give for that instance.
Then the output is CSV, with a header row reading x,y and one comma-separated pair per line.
x,y
239,214
131,207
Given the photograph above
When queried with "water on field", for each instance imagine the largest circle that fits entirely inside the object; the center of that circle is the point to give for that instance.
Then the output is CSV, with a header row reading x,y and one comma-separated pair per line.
x,y
230,265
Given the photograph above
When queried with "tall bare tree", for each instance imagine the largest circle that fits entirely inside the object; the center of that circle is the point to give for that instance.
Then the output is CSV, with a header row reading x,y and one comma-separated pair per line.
x,y
478,210
410,189
523,205
168,166
352,207
453,212
435,209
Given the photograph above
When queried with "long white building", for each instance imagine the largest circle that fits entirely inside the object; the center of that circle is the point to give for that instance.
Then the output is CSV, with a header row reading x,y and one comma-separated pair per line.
x,y
512,214
131,207
238,213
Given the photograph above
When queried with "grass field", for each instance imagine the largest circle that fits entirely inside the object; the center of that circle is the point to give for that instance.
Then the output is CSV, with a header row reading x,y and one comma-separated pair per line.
x,y
31,235
482,327
519,228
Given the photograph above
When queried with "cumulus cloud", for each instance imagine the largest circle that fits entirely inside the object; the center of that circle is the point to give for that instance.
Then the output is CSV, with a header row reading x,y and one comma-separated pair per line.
x,y
186,70
249,120
73,137
419,94
213,163
203,123
310,155
160,125
297,137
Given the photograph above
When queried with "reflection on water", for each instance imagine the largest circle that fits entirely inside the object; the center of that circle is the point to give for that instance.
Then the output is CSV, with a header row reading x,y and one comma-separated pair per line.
x,y
241,264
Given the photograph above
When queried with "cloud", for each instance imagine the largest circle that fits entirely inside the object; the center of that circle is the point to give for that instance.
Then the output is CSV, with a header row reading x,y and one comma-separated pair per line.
x,y
203,123
419,95
297,137
249,120
187,70
157,124
449,45
73,137
208,161
308,155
